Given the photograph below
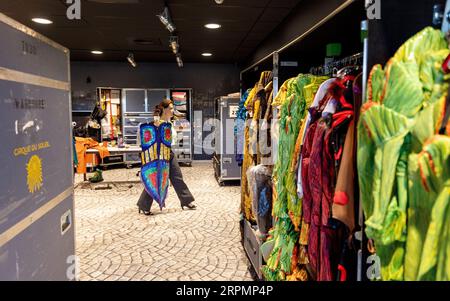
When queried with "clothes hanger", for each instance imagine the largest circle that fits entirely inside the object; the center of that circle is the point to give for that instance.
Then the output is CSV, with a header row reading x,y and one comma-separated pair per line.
x,y
335,71
321,71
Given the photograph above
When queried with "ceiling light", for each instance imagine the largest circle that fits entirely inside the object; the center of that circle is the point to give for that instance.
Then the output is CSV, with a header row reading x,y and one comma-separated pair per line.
x,y
131,60
164,17
213,26
179,60
173,43
207,54
42,21
96,52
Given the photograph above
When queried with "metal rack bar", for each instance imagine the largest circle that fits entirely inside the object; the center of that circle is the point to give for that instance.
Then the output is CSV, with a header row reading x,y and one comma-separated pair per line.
x,y
356,59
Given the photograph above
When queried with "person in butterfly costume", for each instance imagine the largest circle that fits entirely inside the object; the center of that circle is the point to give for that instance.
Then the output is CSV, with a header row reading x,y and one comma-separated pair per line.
x,y
155,174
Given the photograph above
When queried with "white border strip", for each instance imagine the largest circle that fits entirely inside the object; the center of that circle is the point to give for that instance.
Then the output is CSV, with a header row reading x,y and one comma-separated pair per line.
x,y
21,226
16,25
26,78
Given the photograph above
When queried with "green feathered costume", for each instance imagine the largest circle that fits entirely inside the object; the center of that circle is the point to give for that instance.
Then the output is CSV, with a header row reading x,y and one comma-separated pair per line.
x,y
403,165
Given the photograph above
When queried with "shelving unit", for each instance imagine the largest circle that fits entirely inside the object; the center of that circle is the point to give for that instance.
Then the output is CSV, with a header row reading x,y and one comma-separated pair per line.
x,y
83,103
111,127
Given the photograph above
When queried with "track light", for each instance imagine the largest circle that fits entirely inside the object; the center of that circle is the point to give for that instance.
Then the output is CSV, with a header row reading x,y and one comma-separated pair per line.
x,y
165,19
131,60
179,60
173,43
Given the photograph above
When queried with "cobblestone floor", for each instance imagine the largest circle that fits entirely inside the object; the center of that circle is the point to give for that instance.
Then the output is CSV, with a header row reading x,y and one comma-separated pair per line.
x,y
114,242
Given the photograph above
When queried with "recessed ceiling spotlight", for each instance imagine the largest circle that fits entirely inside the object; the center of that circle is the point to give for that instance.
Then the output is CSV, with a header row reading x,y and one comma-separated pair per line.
x,y
42,21
96,52
207,54
213,26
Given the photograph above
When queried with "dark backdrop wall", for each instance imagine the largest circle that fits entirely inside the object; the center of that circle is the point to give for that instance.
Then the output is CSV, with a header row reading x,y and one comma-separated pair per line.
x,y
301,19
207,81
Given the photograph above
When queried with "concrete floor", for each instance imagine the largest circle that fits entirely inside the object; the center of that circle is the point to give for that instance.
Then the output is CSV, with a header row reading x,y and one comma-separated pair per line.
x,y
114,242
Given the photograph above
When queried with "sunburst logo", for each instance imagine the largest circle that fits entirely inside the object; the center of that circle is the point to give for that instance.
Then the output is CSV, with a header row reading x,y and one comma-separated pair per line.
x,y
34,174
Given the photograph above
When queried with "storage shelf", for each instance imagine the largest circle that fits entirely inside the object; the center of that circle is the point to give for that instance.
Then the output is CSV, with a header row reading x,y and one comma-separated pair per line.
x,y
81,111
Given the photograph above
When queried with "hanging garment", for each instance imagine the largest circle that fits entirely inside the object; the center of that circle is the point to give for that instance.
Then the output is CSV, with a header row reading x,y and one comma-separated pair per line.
x,y
155,157
333,233
320,95
245,189
313,215
287,260
310,91
316,114
321,171
304,91
392,128
283,236
259,110
292,111
321,157
307,149
246,163
260,180
284,239
250,157
427,174
264,123
343,201
344,208
428,243
279,99
239,128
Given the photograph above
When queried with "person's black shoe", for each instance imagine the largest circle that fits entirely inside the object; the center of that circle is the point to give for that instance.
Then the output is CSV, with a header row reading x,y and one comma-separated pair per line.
x,y
190,206
145,212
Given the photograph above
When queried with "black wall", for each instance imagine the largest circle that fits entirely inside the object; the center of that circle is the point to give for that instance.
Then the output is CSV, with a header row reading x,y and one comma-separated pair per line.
x,y
302,18
400,20
207,81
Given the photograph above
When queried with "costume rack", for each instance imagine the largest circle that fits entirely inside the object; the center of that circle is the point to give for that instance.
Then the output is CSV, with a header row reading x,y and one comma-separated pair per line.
x,y
332,68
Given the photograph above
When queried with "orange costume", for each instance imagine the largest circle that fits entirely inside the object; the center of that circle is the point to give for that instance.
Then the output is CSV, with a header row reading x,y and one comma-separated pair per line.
x,y
82,145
